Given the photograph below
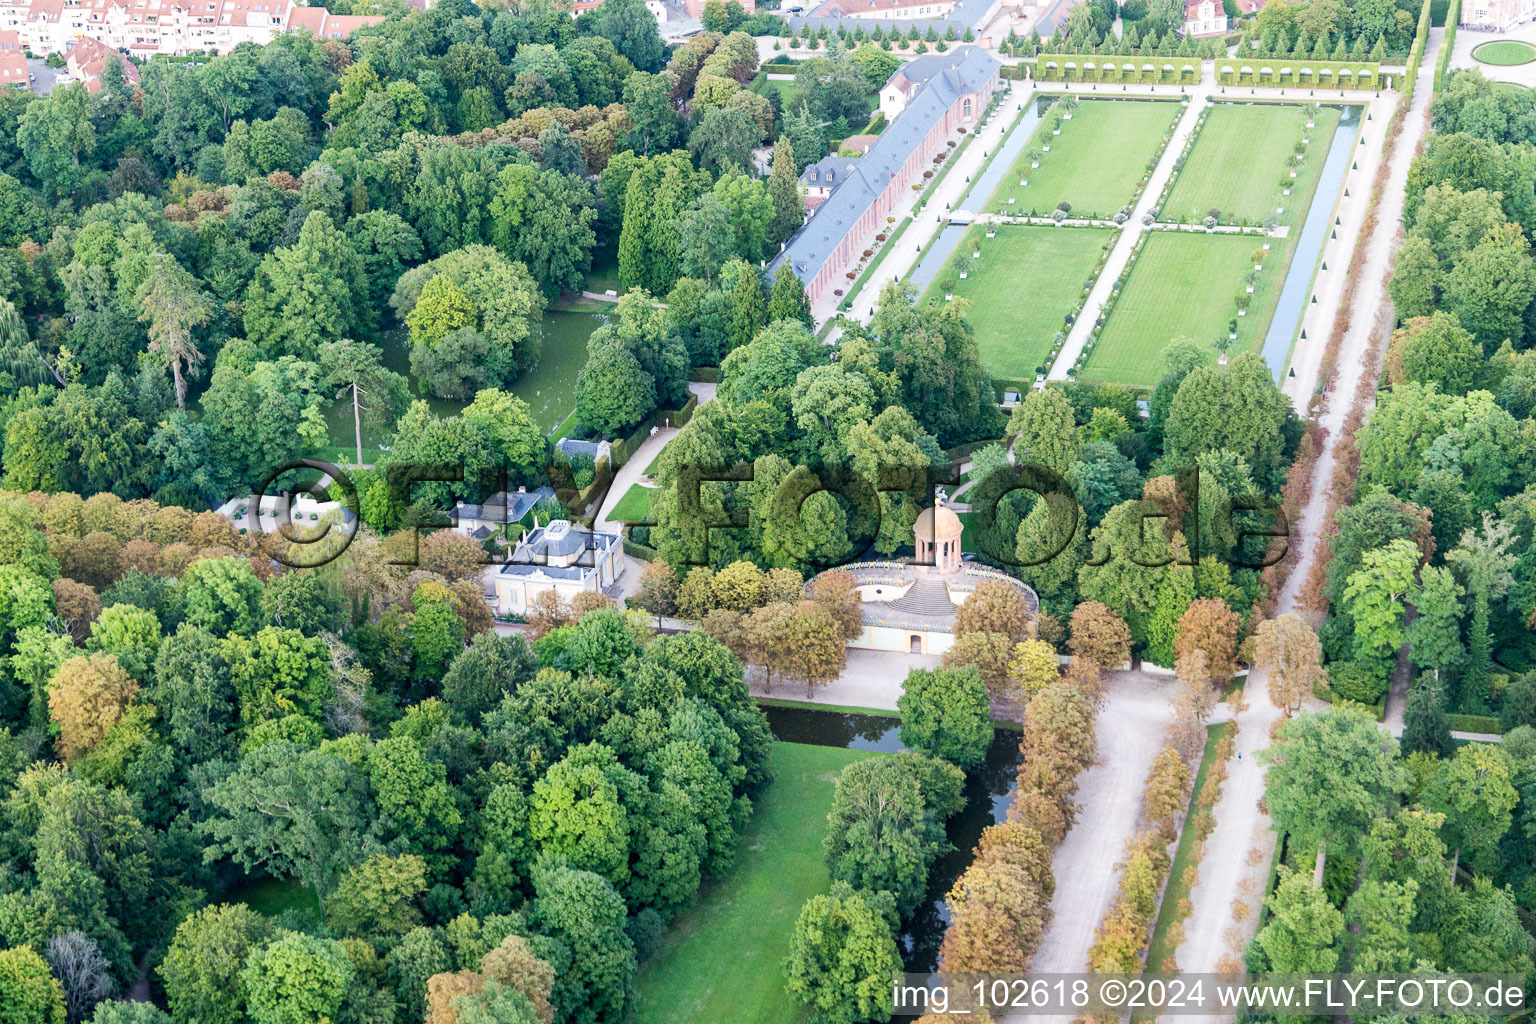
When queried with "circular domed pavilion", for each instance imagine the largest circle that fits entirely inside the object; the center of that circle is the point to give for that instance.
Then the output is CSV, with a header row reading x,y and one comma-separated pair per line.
x,y
909,605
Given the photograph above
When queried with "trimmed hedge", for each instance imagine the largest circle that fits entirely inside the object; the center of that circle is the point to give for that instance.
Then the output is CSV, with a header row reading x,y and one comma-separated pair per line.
x,y
625,447
1447,44
705,374
1301,74
1475,723
1415,58
635,549
1071,67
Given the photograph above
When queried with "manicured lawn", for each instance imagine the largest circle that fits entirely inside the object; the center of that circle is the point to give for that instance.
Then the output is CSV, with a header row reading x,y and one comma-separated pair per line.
x,y
1159,949
721,960
1239,158
1181,285
635,506
1504,53
1027,280
1094,164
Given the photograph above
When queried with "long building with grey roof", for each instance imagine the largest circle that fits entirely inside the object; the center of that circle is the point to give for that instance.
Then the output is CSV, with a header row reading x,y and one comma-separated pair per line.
x,y
936,101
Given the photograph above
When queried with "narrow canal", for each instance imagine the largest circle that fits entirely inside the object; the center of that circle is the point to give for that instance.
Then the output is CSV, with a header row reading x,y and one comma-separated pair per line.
x,y
988,793
1314,234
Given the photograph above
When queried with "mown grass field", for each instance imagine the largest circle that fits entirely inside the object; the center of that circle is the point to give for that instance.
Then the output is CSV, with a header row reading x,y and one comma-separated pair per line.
x,y
721,961
1239,158
1182,284
634,506
1094,164
1027,280
1504,53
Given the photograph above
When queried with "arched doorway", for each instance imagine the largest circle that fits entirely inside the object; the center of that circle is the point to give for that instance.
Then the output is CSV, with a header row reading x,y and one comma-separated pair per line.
x,y
917,643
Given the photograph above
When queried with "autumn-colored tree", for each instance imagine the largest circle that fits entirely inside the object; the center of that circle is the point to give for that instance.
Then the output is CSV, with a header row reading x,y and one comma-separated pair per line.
x,y
1209,625
451,555
1167,790
76,605
547,612
658,589
696,594
838,592
1117,942
995,607
997,915
1034,665
1088,678
1192,703
443,990
726,626
1058,725
989,654
1099,634
739,586
1291,655
783,584
513,963
1039,812
817,653
1051,629
87,696
588,601
765,634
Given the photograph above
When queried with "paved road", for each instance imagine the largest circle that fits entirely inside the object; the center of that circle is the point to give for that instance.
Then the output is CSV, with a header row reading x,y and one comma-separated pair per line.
x,y
1241,825
1125,242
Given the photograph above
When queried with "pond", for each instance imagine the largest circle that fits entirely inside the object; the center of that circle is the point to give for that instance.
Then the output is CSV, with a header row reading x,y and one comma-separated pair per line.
x,y
549,388
988,794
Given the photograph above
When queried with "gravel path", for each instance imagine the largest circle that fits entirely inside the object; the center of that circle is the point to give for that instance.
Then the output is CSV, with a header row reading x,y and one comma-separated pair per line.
x,y
1125,243
1087,864
1229,872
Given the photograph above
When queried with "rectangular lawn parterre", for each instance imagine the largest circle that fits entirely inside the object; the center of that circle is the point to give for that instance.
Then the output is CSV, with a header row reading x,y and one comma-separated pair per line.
x,y
1240,156
1025,283
1182,284
1094,164
721,960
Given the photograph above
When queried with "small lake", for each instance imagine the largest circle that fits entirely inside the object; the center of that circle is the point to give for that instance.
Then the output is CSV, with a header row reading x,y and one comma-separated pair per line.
x,y
988,793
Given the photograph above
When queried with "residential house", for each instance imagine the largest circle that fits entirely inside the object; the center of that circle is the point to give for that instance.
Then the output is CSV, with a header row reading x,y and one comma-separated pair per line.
x,y
820,179
561,557
1204,18
950,97
145,27
88,58
491,517
13,62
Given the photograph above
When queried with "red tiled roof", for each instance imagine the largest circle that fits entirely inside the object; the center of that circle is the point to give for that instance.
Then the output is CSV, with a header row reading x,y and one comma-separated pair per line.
x,y
13,62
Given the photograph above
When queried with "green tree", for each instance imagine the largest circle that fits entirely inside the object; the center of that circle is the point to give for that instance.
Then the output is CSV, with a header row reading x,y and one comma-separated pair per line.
x,y
1045,430
1373,597
202,968
784,187
1303,928
298,979
29,993
723,139
946,712
289,811
378,896
632,30
1434,636
1474,792
172,304
1329,774
585,913
544,220
842,956
613,391
308,293
787,299
1484,562
1439,351
1237,408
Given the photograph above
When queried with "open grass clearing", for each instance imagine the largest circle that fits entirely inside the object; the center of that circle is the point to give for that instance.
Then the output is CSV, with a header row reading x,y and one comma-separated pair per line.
x,y
721,961
1182,284
1239,159
1027,280
635,506
1504,53
1095,163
